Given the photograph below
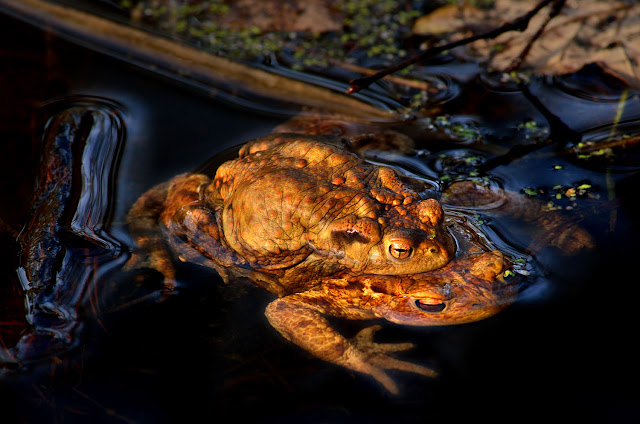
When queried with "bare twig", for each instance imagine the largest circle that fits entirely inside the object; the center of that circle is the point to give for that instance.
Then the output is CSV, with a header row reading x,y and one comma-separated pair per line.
x,y
519,24
555,10
420,85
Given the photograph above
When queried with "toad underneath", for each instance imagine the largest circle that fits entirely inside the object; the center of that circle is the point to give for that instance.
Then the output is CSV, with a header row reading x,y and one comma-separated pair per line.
x,y
331,235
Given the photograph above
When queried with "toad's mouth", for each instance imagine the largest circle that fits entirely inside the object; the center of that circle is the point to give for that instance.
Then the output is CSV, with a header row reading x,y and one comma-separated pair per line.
x,y
428,306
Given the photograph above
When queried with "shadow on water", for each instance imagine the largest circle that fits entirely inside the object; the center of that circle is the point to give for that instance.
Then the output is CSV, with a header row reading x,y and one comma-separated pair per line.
x,y
83,341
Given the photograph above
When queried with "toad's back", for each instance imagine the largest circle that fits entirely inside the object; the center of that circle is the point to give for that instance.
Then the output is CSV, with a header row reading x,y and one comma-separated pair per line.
x,y
288,197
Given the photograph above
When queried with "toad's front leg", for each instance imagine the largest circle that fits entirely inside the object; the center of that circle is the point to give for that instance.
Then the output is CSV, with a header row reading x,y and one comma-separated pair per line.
x,y
302,322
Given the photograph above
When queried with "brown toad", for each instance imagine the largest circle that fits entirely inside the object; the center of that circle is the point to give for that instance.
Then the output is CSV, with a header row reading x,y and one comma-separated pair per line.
x,y
331,235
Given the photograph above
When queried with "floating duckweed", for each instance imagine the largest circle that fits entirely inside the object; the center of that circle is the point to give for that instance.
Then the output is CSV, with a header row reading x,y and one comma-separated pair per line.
x,y
374,28
550,206
518,77
463,130
196,32
534,131
562,196
219,8
419,99
529,125
600,152
181,26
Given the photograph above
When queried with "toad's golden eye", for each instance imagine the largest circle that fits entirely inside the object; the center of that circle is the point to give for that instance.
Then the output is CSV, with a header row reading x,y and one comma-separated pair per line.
x,y
400,250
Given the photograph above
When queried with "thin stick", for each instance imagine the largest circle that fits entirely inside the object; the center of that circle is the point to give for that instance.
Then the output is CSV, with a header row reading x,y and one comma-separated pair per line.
x,y
557,7
420,85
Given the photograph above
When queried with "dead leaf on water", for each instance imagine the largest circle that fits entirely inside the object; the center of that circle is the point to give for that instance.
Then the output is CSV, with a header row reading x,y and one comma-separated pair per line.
x,y
586,31
447,19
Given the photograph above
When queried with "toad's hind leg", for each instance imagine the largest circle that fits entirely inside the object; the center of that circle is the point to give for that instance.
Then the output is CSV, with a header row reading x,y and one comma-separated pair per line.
x,y
300,323
150,248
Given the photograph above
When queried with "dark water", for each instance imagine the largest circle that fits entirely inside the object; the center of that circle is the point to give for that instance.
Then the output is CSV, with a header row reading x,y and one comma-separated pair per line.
x,y
117,352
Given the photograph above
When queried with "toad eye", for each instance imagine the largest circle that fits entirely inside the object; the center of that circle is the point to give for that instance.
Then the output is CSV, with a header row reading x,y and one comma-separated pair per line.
x,y
400,250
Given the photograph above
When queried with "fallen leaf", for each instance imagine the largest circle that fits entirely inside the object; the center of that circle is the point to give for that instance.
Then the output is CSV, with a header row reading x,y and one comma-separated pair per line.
x,y
446,19
317,16
584,32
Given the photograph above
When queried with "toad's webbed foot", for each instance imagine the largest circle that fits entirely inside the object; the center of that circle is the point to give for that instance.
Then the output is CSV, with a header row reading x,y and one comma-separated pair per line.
x,y
373,358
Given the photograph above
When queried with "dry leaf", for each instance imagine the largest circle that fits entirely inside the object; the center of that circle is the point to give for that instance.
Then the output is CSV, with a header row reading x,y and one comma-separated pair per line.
x,y
316,16
446,19
585,31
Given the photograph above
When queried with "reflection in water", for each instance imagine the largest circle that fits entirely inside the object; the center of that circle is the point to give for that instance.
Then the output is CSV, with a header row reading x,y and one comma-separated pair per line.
x,y
64,244
602,112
